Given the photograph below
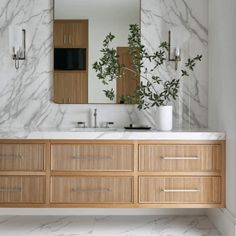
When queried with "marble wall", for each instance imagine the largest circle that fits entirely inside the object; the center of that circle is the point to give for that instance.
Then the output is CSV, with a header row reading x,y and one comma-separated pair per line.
x,y
25,94
188,22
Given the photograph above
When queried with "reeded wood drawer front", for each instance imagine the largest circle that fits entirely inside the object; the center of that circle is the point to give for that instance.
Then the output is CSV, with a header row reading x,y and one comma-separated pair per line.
x,y
22,157
22,189
180,158
180,190
92,157
91,189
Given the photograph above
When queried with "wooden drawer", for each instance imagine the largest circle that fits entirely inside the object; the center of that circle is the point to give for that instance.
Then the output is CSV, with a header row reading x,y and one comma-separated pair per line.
x,y
92,157
180,158
180,190
91,189
22,157
22,189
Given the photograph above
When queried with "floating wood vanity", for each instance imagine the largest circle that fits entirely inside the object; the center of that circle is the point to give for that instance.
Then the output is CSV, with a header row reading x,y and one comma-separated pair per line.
x,y
112,173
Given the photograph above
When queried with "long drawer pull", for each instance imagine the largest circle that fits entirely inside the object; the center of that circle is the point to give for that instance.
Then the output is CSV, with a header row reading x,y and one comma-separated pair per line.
x,y
180,158
180,190
10,189
10,157
91,158
70,40
64,39
91,190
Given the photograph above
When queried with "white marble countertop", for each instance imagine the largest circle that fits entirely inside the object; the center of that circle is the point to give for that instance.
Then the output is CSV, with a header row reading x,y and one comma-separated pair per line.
x,y
110,134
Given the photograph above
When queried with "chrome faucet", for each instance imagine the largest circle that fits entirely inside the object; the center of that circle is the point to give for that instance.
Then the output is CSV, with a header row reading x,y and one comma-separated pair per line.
x,y
95,118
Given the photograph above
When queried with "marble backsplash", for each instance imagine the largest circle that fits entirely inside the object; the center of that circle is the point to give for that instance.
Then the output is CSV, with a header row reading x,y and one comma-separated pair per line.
x,y
26,94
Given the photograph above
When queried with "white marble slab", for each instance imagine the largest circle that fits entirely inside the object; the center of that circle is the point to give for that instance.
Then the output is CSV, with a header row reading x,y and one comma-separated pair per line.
x,y
113,134
107,226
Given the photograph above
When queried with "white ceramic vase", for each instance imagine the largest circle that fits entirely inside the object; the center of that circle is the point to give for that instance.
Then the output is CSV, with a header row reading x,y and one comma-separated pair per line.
x,y
165,118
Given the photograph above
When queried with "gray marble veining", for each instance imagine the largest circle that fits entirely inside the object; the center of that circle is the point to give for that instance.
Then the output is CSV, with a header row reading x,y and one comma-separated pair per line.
x,y
26,94
107,226
188,22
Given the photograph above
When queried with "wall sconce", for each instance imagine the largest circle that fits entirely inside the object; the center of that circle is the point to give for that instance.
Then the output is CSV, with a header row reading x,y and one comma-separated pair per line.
x,y
18,49
177,53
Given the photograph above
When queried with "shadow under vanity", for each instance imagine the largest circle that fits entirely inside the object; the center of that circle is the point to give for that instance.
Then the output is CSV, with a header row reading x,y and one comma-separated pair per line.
x,y
113,169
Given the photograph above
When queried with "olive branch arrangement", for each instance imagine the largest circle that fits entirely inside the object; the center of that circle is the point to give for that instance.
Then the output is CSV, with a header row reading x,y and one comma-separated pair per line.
x,y
152,90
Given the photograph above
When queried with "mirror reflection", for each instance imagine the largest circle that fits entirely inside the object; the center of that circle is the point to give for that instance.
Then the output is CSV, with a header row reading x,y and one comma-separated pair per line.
x,y
80,27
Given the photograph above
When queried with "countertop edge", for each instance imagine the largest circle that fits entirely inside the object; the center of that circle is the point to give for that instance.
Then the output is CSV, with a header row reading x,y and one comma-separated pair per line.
x,y
113,135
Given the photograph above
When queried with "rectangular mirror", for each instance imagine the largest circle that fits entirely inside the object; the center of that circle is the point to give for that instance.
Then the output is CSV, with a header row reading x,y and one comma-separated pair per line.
x,y
80,26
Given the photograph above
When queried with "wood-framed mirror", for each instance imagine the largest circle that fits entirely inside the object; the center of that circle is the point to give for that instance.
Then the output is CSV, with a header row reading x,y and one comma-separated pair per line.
x,y
80,27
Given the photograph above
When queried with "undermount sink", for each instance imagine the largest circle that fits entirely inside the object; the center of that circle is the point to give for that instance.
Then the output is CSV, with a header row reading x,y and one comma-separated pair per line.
x,y
93,129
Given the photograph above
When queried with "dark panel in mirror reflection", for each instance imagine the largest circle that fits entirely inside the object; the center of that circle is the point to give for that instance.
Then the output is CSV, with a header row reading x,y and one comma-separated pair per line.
x,y
79,30
69,58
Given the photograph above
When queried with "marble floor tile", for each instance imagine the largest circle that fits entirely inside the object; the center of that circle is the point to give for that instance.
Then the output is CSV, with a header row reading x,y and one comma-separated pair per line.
x,y
106,226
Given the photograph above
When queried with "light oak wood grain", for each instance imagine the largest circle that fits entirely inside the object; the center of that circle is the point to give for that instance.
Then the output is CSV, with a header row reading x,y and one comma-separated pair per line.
x,y
116,183
180,190
93,157
70,33
180,158
22,189
22,157
91,189
71,87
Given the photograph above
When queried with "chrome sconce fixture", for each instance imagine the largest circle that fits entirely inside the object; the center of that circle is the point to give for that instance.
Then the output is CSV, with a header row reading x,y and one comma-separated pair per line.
x,y
19,52
177,53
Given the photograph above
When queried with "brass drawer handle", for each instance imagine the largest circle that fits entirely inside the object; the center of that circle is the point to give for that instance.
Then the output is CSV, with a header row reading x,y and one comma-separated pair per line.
x,y
10,157
10,189
91,158
180,190
90,190
180,158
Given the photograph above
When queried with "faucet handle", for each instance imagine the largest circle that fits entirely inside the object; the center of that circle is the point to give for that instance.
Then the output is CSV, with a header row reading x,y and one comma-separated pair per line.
x,y
81,124
107,124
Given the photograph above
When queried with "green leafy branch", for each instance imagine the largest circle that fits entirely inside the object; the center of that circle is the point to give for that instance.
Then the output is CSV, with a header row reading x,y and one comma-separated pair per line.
x,y
152,90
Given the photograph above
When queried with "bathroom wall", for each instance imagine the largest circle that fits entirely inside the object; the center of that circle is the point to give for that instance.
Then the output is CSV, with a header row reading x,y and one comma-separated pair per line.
x,y
222,96
188,21
25,94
